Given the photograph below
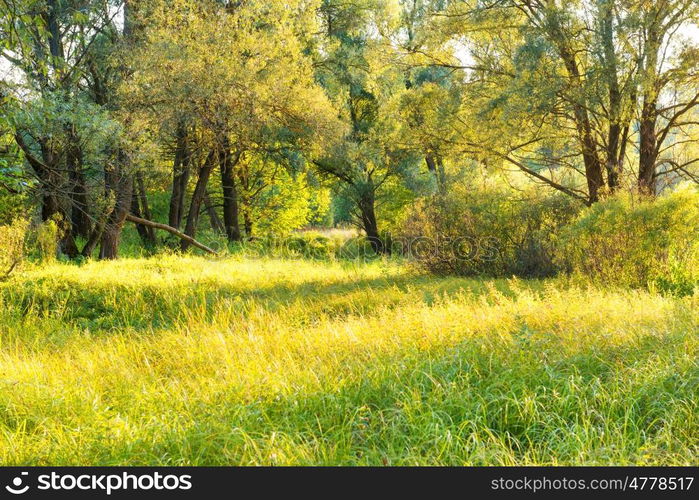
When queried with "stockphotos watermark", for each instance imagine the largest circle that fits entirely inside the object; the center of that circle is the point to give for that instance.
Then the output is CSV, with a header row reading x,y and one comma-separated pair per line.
x,y
105,483
418,248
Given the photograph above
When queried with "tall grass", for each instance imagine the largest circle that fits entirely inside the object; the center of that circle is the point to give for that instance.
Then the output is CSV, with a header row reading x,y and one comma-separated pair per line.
x,y
179,360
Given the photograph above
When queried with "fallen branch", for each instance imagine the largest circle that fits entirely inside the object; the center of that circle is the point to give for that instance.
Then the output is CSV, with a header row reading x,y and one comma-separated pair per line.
x,y
171,230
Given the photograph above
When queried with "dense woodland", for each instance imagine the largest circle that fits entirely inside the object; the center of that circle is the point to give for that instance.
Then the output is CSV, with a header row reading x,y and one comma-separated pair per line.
x,y
486,118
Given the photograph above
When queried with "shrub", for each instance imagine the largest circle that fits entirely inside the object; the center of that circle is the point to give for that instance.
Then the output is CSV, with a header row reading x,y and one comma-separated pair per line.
x,y
12,246
487,232
308,245
637,242
45,240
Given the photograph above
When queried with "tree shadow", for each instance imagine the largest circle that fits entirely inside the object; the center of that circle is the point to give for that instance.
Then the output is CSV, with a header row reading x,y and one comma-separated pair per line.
x,y
112,308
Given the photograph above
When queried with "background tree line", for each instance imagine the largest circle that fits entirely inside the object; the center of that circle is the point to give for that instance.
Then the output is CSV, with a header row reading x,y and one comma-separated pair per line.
x,y
263,117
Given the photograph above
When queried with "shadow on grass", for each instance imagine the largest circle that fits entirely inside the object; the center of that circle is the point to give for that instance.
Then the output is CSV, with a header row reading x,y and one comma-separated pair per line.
x,y
108,308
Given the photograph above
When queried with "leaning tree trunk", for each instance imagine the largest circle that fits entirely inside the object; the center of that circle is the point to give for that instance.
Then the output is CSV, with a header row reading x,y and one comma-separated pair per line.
x,y
198,198
171,230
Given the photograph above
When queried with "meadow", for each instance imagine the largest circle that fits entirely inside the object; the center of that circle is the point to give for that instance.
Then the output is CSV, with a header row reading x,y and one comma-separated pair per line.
x,y
182,360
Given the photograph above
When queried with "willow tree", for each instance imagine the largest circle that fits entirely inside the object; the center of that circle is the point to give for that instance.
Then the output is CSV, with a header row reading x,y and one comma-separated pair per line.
x,y
668,84
222,80
429,105
55,49
584,96
352,67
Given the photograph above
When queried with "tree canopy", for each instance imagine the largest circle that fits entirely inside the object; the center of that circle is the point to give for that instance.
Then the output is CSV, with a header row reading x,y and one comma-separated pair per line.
x,y
264,115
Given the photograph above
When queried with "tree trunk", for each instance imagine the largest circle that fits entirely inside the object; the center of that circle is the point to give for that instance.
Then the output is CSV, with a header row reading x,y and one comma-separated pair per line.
x,y
57,200
614,133
79,217
120,186
216,223
435,165
369,223
140,190
197,198
139,207
50,182
651,86
648,149
171,230
180,179
230,196
95,236
593,166
441,175
613,168
247,221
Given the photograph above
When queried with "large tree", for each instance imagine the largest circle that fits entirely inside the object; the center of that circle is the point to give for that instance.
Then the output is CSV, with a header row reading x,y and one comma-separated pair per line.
x,y
65,59
356,68
223,82
591,90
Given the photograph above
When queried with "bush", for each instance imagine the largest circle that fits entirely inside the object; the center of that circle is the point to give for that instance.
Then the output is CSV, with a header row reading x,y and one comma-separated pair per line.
x,y
637,242
44,241
487,232
12,246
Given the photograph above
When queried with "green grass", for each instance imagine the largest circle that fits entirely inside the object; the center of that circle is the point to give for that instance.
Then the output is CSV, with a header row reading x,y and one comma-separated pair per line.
x,y
181,360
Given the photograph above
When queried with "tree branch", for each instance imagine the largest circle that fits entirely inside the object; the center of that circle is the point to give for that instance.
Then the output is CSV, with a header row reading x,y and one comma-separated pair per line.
x,y
171,230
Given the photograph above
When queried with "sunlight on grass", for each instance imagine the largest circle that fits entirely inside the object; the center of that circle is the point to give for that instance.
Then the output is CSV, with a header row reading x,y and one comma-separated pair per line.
x,y
179,360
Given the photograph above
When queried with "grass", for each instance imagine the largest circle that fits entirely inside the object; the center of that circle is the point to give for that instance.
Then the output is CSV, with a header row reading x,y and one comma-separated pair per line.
x,y
181,360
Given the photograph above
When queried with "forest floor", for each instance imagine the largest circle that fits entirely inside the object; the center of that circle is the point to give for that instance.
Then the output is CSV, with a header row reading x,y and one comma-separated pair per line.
x,y
182,360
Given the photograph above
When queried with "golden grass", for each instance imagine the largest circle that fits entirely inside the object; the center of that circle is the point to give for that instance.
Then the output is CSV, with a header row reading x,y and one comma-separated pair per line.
x,y
181,360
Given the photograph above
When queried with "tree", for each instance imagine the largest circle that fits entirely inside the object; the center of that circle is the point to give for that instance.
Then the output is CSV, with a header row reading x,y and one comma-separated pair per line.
x,y
63,106
562,86
221,80
668,83
350,53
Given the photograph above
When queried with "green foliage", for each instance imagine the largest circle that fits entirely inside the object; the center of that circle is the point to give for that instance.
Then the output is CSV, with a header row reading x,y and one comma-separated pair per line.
x,y
278,200
320,210
487,231
15,201
311,245
333,244
13,206
638,242
228,74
